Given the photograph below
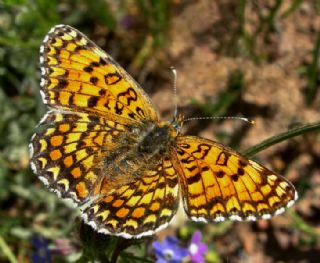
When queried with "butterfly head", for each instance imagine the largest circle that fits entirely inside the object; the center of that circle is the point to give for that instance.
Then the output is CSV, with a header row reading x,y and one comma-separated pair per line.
x,y
177,123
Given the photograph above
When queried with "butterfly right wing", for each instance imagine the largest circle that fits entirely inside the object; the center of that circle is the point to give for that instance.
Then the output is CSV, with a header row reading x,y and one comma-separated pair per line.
x,y
218,183
76,75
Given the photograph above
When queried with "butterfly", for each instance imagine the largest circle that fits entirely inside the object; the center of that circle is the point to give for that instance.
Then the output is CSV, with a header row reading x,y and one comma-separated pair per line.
x,y
102,144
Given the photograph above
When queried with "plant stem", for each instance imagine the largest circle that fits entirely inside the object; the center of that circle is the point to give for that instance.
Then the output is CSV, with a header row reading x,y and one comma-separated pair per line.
x,y
281,137
7,251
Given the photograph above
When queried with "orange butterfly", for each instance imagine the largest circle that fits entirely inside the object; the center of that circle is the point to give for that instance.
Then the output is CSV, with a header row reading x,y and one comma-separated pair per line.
x,y
103,144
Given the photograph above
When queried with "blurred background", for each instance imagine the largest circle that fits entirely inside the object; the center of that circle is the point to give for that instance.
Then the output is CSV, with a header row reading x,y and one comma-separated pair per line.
x,y
258,59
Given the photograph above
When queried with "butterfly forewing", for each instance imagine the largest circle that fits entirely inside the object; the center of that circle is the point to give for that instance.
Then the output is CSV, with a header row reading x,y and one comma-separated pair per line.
x,y
77,75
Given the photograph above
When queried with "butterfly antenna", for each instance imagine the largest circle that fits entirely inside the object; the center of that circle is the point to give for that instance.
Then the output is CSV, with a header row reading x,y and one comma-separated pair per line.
x,y
221,118
175,99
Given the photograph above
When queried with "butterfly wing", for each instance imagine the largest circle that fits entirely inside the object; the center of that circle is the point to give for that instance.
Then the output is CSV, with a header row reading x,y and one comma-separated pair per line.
x,y
67,150
218,183
138,208
76,75
94,102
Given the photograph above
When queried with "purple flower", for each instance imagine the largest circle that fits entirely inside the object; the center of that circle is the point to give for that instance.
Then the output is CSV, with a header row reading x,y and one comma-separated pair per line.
x,y
197,249
41,252
169,251
128,22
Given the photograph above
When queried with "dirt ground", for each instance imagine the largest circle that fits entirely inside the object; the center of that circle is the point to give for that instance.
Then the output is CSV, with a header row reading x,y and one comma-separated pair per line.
x,y
256,59
272,95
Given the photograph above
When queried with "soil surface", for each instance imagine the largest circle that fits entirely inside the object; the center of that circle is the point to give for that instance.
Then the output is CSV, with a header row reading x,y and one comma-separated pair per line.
x,y
204,50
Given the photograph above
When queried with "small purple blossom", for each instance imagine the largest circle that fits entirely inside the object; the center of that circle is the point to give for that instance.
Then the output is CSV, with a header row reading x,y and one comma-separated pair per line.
x,y
128,22
197,249
169,251
41,252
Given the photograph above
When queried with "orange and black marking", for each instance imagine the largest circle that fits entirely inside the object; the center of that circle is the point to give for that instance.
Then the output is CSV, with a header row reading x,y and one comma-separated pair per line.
x,y
141,205
76,74
102,144
68,146
219,183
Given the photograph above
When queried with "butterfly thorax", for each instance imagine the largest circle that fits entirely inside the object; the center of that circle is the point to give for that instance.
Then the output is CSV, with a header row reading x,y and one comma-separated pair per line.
x,y
140,151
157,138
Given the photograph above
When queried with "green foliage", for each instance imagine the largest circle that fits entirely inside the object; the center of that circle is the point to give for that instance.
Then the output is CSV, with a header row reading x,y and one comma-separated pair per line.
x,y
312,72
27,208
155,14
293,7
265,26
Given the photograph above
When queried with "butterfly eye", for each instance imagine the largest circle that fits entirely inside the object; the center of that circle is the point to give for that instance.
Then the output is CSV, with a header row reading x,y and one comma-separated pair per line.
x,y
177,127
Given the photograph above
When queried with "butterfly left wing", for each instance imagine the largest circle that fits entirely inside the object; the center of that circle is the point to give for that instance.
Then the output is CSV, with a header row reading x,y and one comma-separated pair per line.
x,y
76,75
68,150
218,183
138,208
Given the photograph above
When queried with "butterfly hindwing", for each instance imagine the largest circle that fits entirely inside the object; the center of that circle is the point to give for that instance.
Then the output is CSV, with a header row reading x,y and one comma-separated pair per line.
x,y
218,183
65,152
140,207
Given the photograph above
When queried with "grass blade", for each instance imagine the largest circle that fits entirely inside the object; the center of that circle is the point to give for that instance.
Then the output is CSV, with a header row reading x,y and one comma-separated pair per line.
x,y
7,251
281,137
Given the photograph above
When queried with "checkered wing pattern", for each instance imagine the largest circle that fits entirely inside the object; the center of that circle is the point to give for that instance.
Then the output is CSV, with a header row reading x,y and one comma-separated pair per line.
x,y
66,152
102,146
77,75
219,184
138,208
